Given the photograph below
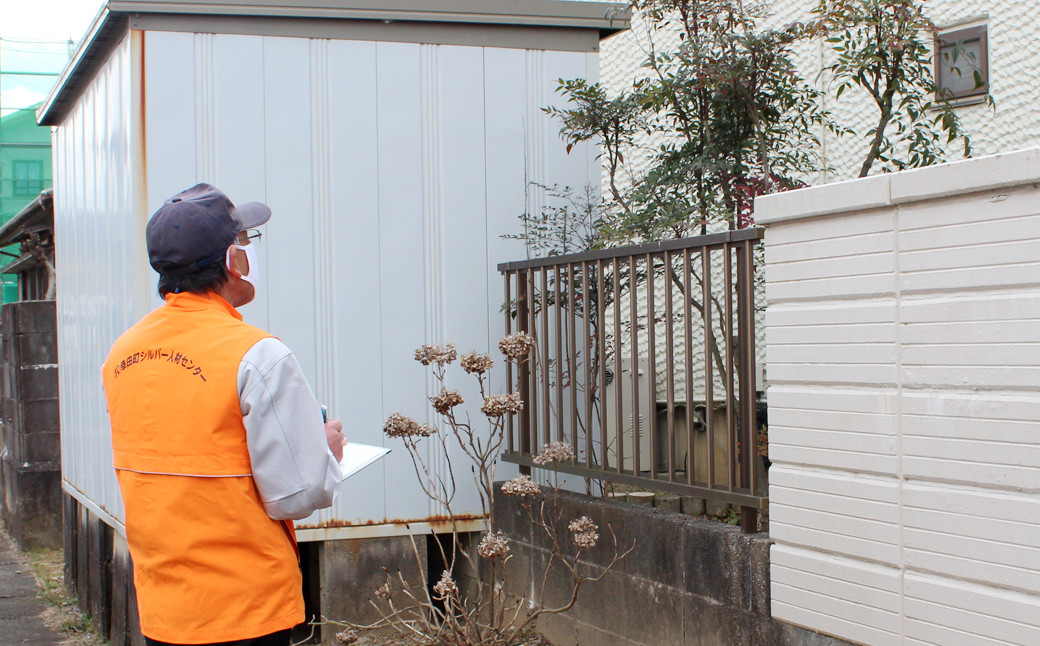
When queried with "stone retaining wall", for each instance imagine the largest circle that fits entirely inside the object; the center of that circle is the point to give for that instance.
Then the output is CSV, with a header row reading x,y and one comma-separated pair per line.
x,y
687,581
30,468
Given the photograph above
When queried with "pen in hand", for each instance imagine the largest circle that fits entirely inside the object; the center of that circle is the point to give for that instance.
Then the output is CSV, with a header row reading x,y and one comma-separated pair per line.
x,y
333,434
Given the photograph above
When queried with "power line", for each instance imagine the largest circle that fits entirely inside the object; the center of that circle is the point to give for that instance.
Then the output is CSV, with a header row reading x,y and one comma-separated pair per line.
x,y
34,41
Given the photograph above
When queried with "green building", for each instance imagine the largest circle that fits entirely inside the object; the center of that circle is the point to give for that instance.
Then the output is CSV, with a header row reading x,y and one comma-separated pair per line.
x,y
25,170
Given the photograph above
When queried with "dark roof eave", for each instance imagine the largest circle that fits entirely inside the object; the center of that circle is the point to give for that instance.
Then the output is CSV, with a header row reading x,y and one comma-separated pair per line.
x,y
21,264
36,212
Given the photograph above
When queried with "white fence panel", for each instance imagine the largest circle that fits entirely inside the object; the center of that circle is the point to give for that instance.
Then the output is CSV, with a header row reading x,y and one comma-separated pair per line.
x,y
935,418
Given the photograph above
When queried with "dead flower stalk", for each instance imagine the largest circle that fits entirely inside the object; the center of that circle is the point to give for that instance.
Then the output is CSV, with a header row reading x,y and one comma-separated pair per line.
x,y
487,612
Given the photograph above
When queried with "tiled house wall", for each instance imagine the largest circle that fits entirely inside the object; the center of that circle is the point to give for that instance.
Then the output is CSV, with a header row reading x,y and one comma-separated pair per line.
x,y
904,404
1011,123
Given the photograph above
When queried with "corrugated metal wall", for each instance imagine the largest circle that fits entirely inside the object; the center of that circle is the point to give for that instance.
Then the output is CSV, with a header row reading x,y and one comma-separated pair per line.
x,y
100,250
392,170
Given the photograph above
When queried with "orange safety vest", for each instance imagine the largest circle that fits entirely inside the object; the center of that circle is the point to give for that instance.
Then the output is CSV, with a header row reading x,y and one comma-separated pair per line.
x,y
209,564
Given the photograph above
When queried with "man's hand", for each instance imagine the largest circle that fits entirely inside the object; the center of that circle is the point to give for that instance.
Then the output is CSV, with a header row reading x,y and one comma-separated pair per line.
x,y
334,436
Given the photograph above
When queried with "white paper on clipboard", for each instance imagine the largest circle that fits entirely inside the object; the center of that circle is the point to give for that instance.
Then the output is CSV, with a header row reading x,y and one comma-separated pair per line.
x,y
358,456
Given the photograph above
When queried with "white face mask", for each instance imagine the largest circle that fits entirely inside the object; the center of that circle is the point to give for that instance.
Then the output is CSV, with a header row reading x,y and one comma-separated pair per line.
x,y
253,277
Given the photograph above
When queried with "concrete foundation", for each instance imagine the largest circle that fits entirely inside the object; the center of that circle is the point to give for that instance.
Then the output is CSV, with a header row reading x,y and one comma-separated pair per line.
x,y
99,572
339,577
687,581
345,575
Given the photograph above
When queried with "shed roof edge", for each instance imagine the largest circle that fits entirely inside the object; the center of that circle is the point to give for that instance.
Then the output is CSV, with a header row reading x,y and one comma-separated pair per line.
x,y
113,19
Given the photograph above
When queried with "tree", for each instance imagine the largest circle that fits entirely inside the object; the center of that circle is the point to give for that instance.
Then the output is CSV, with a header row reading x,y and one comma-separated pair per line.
x,y
883,47
729,114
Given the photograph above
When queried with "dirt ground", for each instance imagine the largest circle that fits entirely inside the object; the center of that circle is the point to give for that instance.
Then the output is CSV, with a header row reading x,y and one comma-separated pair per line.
x,y
62,613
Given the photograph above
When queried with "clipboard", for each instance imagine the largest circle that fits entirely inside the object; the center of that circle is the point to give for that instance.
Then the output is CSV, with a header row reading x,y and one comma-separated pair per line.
x,y
358,456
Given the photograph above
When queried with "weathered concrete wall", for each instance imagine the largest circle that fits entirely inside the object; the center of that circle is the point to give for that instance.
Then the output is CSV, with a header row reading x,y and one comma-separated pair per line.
x,y
30,469
339,577
904,400
345,574
99,572
687,581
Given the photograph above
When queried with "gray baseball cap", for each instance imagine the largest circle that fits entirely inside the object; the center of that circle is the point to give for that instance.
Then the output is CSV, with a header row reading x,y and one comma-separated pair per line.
x,y
194,228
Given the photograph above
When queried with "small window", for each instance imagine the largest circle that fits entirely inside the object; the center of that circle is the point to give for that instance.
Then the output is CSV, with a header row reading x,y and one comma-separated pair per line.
x,y
961,63
28,177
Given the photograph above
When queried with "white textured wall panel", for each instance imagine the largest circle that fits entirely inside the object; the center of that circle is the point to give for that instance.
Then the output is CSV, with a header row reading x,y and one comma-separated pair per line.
x,y
824,590
99,235
997,542
941,612
392,170
935,471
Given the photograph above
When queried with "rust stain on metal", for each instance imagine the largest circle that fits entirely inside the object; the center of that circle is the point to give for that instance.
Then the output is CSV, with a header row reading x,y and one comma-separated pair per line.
x,y
436,521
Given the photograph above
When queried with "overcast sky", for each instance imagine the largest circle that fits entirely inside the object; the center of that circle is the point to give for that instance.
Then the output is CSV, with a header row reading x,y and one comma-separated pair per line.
x,y
31,35
47,19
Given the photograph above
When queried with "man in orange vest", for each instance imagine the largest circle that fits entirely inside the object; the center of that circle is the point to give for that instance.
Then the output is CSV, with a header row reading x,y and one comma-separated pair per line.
x,y
218,441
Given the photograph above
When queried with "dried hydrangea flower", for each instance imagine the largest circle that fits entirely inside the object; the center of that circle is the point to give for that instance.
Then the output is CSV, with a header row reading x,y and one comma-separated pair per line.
x,y
347,637
383,591
476,363
445,401
499,405
584,532
555,452
515,346
521,486
493,545
427,354
445,587
398,425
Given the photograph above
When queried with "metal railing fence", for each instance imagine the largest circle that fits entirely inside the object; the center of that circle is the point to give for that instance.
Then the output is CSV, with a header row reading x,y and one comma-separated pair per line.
x,y
644,364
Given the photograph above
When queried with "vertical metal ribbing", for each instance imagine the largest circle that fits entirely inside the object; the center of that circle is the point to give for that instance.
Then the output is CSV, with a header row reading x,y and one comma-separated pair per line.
x,y
727,335
746,332
590,383
746,406
558,309
510,445
545,360
633,324
651,340
688,316
669,335
709,364
587,285
523,370
572,354
532,363
601,353
618,421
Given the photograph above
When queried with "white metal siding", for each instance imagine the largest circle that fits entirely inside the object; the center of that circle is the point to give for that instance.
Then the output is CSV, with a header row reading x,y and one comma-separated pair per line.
x,y
904,404
100,250
392,170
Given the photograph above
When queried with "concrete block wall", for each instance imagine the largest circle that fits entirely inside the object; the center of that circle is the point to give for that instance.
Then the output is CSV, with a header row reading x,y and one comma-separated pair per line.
x,y
339,577
687,581
903,361
30,447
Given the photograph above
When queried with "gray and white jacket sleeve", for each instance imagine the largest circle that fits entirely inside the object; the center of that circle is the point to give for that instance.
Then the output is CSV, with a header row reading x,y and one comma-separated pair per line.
x,y
293,467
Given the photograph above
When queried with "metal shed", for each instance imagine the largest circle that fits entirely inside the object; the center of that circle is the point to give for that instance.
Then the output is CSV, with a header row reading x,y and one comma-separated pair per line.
x,y
395,142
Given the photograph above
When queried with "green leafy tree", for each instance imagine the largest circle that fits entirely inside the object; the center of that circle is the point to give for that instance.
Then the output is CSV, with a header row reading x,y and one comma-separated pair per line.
x,y
732,117
884,47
